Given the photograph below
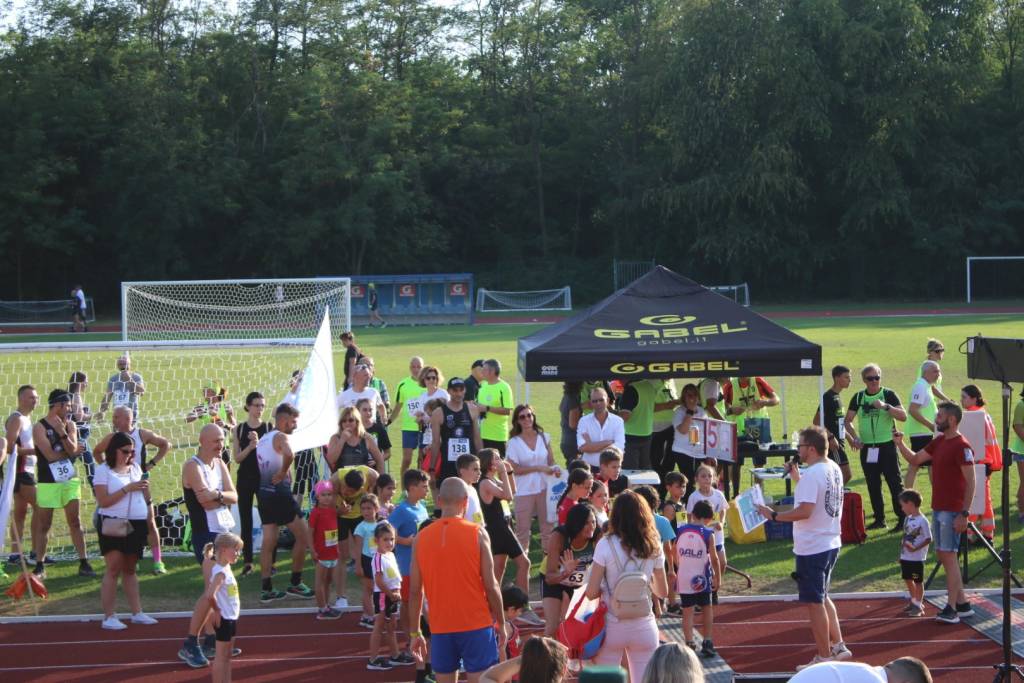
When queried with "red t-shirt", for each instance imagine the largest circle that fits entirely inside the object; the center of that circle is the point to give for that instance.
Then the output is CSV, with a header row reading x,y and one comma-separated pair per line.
x,y
948,483
563,509
323,524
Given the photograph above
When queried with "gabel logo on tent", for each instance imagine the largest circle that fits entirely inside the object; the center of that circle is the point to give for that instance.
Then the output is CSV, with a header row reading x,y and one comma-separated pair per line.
x,y
680,366
670,327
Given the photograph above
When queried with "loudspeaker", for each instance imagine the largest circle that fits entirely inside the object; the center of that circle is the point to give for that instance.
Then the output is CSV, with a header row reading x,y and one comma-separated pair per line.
x,y
996,359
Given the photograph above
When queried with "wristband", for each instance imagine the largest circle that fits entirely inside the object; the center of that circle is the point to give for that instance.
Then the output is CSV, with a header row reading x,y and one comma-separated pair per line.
x,y
775,515
415,634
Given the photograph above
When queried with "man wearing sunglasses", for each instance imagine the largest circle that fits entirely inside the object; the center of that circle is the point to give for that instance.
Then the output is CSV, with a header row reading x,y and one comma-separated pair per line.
x,y
877,409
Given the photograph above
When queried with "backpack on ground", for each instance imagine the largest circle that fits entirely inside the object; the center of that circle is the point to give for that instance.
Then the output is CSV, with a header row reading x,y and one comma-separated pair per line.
x,y
630,597
852,522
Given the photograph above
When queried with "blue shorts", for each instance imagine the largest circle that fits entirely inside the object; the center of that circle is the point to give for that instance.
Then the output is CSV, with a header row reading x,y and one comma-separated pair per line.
x,y
410,440
199,541
1017,457
477,650
814,574
944,536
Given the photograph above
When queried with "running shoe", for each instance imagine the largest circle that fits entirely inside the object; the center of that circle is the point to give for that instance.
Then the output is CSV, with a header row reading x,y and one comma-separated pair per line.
x,y
46,560
964,609
948,615
272,595
341,603
85,569
366,622
694,645
301,590
15,558
193,656
708,649
112,623
159,568
818,659
873,526
840,652
402,659
40,572
675,609
379,664
246,570
144,619
916,611
530,618
328,614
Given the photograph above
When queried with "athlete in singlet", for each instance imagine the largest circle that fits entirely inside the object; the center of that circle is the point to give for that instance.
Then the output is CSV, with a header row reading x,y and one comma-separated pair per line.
x,y
22,450
454,430
278,508
56,440
569,553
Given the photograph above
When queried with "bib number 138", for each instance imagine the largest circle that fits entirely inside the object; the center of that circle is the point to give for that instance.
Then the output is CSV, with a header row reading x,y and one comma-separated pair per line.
x,y
457,447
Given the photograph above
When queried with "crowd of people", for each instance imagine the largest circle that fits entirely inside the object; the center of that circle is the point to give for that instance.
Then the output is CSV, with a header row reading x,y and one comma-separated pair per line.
x,y
433,588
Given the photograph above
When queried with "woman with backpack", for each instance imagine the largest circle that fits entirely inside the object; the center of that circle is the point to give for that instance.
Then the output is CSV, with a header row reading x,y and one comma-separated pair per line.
x,y
628,567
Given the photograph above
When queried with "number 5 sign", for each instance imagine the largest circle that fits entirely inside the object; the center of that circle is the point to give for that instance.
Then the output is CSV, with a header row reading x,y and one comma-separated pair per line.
x,y
721,440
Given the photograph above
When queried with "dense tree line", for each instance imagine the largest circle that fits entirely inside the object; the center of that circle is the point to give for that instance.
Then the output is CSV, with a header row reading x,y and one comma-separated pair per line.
x,y
840,147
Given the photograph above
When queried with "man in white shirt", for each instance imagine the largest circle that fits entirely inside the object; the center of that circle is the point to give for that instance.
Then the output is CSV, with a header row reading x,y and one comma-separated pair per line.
x,y
361,389
921,412
902,670
599,430
816,515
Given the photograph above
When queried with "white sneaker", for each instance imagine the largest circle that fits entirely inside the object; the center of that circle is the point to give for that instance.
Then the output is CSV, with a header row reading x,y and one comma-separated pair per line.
x,y
113,624
840,652
341,603
818,659
530,618
143,618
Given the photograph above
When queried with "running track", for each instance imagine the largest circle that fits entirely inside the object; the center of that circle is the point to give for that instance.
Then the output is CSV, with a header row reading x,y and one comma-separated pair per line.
x,y
752,637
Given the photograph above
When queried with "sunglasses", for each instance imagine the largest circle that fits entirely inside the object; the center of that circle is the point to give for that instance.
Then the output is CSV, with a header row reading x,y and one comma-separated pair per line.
x,y
528,416
430,377
872,378
349,419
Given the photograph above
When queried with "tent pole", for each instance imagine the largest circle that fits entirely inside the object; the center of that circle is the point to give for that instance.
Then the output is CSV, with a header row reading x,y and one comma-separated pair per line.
x,y
821,399
785,421
526,393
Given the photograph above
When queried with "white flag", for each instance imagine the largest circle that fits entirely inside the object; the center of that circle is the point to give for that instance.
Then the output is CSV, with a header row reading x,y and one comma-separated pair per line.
x,y
318,416
7,494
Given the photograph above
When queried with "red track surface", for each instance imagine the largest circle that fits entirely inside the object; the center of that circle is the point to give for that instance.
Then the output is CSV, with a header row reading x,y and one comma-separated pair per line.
x,y
773,636
752,637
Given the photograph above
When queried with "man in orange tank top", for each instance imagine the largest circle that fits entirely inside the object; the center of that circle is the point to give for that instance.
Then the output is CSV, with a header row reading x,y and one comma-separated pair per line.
x,y
453,566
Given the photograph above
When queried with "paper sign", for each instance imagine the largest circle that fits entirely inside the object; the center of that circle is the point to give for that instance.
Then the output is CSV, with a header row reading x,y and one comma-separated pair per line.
x,y
747,502
555,487
720,438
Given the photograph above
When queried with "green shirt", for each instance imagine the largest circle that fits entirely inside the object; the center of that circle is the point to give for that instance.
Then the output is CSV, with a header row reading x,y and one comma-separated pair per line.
x,y
921,394
641,416
1016,443
664,393
874,426
494,427
407,390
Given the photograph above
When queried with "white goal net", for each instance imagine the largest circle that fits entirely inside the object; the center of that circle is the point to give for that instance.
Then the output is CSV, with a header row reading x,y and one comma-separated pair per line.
x,y
174,378
237,310
739,293
493,301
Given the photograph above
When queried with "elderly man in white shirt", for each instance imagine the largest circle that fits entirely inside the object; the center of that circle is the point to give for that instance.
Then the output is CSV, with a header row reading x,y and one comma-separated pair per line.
x,y
599,430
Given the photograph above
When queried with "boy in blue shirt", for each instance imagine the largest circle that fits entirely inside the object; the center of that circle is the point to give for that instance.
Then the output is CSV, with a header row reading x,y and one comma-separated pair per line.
x,y
697,574
406,518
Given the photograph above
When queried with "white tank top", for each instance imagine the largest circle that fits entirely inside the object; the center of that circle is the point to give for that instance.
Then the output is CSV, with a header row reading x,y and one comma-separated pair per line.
x,y
25,440
220,519
140,448
268,459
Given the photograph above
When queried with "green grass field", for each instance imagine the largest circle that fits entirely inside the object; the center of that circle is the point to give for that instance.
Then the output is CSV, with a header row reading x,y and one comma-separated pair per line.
x,y
897,344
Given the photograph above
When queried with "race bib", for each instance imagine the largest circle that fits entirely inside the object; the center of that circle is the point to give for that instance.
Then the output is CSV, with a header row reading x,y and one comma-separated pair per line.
x,y
576,578
225,519
331,538
122,398
478,518
391,573
842,430
62,470
506,511
428,437
457,447
681,517
232,590
872,455
414,405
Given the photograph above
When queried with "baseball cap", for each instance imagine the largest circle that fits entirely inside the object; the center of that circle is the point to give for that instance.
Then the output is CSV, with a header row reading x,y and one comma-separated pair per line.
x,y
456,382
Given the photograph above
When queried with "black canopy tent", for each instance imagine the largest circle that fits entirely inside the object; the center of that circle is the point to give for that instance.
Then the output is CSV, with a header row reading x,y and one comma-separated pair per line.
x,y
665,325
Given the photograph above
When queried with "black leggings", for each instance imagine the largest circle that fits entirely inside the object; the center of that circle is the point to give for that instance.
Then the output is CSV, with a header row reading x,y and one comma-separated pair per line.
x,y
661,455
888,466
246,496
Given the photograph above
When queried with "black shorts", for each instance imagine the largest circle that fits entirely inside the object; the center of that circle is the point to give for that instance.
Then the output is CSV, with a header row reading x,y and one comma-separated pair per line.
x,y
346,526
383,604
24,479
367,564
226,631
132,544
496,445
276,505
913,570
694,599
504,542
918,442
839,457
556,591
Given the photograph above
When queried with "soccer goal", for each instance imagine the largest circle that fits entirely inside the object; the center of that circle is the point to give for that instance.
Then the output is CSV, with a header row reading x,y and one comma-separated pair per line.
x,y
36,313
174,377
253,311
739,293
493,301
994,278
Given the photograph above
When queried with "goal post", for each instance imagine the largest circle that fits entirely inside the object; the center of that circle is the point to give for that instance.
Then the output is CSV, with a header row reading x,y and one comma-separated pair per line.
x,y
494,301
739,293
236,311
174,376
975,262
40,313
